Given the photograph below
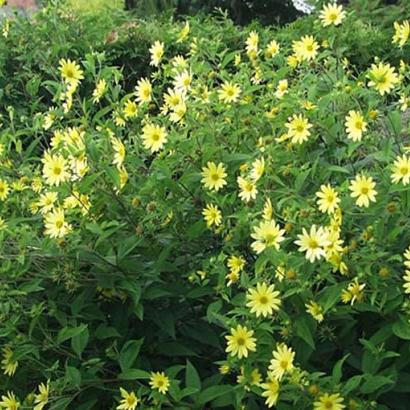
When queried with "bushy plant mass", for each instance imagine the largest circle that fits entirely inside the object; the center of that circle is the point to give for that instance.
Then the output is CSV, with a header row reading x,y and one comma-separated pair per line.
x,y
196,216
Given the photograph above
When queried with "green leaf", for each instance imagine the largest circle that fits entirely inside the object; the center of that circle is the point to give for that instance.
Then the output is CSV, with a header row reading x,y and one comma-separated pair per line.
x,y
105,332
330,296
61,404
32,286
337,168
134,290
375,383
213,392
129,353
196,229
73,376
303,331
337,369
300,179
192,378
352,384
134,374
68,332
80,341
88,405
402,329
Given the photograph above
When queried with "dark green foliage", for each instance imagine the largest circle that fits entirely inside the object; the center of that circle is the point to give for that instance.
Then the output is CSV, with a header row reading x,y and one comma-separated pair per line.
x,y
241,11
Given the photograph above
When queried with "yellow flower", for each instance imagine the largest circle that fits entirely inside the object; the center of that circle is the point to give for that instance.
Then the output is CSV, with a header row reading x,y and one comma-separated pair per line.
x,y
79,167
157,51
328,199
212,215
252,44
298,128
70,71
282,88
74,138
258,169
383,77
271,391
159,381
232,277
335,243
267,234
99,91
404,102
123,174
293,60
362,188
182,81
9,402
355,125
178,113
252,379
267,211
130,109
229,92
329,402
313,243
236,263
406,276
56,225
4,189
332,14
282,361
308,105
129,400
41,399
57,139
272,49
306,48
407,257
401,170
154,137
46,201
179,63
263,300
354,292
143,90
315,310
184,33
6,26
240,341
402,33
248,189
8,365
214,176
55,169
173,98
119,150
49,119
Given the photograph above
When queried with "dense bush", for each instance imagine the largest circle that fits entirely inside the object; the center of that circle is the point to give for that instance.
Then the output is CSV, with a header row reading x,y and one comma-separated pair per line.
x,y
198,216
241,11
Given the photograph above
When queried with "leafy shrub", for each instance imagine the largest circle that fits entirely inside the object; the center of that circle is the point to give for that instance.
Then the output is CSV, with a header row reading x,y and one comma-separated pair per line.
x,y
241,11
214,220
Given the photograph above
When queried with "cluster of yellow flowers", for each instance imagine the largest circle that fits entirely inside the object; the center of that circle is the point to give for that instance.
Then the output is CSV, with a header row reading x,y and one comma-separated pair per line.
x,y
60,201
38,401
129,400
